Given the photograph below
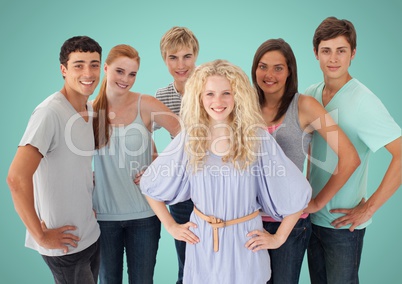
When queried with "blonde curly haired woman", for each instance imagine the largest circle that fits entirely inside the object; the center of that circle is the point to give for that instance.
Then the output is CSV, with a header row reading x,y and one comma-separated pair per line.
x,y
231,168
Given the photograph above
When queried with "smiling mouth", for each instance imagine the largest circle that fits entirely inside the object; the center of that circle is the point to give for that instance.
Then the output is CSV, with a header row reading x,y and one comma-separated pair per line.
x,y
181,73
219,109
122,86
269,83
87,83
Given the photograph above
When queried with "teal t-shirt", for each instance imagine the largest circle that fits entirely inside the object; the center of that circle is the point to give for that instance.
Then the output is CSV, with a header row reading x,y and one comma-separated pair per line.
x,y
368,125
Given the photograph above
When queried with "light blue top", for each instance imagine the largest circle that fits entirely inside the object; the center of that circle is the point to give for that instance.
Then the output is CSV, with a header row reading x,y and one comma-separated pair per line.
x,y
368,125
227,193
116,197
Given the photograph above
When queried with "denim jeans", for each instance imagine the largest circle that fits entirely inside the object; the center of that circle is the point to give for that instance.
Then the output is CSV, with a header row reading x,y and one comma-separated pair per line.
x,y
286,261
140,239
181,214
77,268
334,255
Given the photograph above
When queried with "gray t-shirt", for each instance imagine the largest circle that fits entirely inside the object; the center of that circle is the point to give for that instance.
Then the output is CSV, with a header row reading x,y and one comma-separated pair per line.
x,y
63,182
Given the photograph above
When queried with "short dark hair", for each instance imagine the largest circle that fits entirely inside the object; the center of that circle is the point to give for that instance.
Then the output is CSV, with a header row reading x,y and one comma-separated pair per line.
x,y
80,44
331,28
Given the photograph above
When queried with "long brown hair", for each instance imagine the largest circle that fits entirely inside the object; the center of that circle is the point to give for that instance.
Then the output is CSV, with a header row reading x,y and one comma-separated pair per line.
x,y
291,82
101,120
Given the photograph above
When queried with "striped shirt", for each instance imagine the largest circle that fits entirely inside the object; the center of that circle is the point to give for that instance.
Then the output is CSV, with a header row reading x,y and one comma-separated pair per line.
x,y
170,98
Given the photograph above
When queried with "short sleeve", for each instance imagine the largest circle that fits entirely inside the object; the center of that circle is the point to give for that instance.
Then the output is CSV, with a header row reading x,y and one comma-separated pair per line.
x,y
283,189
41,131
167,179
376,126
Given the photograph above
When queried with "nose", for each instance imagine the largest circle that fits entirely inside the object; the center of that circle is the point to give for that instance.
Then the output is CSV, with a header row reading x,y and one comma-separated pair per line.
x,y
180,63
218,98
87,71
334,57
269,73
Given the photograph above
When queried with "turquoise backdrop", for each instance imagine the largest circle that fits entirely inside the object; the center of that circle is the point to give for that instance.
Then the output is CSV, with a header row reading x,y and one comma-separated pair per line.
x,y
32,33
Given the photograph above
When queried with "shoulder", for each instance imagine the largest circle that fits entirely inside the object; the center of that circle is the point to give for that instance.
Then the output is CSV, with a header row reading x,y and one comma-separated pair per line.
x,y
49,108
150,102
148,99
361,96
308,104
314,89
309,110
165,91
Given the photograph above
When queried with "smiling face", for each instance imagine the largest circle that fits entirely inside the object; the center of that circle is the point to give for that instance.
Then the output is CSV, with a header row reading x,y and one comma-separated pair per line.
x,y
121,75
81,73
335,56
272,73
218,99
180,65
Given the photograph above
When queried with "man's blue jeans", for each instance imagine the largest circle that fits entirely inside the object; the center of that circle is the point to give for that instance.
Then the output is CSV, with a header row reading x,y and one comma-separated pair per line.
x,y
334,255
76,268
181,214
140,239
286,261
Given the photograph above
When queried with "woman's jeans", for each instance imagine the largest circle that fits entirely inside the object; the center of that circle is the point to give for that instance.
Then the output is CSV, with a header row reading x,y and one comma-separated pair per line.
x,y
334,255
286,261
139,238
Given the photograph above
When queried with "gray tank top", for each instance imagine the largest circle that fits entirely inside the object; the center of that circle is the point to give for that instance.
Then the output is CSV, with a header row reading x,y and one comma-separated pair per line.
x,y
289,135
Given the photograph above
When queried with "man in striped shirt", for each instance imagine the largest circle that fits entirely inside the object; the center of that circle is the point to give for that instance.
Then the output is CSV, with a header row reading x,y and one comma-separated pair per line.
x,y
179,48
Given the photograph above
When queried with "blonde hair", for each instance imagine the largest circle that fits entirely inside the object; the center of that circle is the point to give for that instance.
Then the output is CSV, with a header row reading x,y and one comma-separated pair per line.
x,y
177,38
101,120
245,119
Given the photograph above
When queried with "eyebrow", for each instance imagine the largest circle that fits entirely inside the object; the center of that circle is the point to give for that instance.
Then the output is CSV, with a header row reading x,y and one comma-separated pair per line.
x,y
83,61
174,55
326,47
278,64
214,91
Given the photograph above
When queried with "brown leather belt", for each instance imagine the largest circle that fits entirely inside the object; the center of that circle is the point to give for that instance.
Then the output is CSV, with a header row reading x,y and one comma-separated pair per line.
x,y
217,223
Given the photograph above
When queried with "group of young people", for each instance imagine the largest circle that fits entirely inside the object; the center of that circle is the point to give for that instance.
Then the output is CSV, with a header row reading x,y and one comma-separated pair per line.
x,y
242,206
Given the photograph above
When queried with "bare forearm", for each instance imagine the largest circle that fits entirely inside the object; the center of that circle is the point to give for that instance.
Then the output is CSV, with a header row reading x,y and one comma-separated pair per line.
x,y
389,185
333,185
162,212
22,195
287,226
348,161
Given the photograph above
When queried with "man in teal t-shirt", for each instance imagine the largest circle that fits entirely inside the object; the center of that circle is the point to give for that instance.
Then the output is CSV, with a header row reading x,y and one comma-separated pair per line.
x,y
336,244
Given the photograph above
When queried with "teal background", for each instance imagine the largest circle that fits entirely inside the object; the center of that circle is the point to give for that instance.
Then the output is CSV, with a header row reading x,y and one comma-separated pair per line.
x,y
32,33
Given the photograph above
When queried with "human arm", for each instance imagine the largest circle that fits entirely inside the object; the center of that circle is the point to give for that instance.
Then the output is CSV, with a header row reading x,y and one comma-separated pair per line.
x,y
20,181
154,111
388,186
180,232
137,177
154,151
313,117
264,240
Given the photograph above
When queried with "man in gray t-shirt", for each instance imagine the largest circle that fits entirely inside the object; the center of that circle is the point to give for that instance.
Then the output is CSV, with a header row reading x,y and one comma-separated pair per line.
x,y
50,177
